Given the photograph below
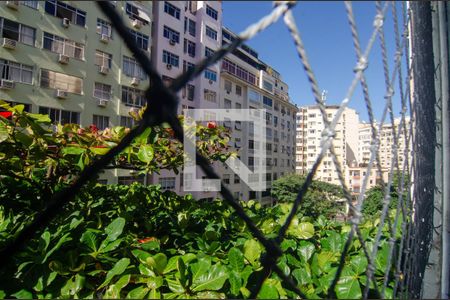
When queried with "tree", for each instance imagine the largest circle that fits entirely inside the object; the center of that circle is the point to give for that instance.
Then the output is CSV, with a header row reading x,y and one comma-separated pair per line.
x,y
320,198
373,203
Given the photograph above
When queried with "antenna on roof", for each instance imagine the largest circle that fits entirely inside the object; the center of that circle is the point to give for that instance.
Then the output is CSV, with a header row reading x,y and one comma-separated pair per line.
x,y
324,95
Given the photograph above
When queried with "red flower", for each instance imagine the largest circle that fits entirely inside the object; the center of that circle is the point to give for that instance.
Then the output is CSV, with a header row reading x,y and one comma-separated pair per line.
x,y
212,125
93,128
6,114
100,146
170,131
80,130
146,240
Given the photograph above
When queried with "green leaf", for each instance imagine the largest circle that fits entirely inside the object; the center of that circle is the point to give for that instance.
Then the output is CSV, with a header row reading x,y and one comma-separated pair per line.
x,y
305,250
73,150
23,294
175,285
107,247
3,132
138,293
304,230
89,239
199,268
158,262
359,264
348,285
118,269
235,282
268,291
73,286
302,275
40,118
236,259
333,242
325,259
113,291
65,238
99,150
171,265
115,229
145,153
44,241
211,280
252,251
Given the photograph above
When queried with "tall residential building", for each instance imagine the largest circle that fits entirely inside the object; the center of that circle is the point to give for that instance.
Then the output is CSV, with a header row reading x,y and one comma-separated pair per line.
x,y
246,82
309,136
63,59
185,32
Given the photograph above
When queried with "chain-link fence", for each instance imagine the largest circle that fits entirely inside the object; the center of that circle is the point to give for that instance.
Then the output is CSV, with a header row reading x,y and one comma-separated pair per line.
x,y
407,258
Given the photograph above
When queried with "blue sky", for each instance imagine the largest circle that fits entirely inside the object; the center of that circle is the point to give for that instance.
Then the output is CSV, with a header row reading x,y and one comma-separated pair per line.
x,y
327,37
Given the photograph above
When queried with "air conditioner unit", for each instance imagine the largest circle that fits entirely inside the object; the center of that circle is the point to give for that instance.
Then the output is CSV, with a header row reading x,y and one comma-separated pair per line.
x,y
63,59
13,4
9,43
169,66
65,22
104,38
6,84
102,102
103,70
172,42
137,24
135,81
60,94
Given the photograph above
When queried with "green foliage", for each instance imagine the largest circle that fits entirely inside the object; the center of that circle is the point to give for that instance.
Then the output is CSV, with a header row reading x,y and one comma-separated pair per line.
x,y
373,202
136,242
320,198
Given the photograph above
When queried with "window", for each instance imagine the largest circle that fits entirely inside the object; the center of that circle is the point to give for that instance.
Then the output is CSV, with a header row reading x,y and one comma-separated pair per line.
x,y
137,12
64,46
238,106
171,10
211,33
60,81
189,47
226,178
171,34
140,39
17,72
251,144
190,92
102,122
191,27
211,75
275,121
126,121
170,58
32,4
227,103
60,116
210,95
267,101
237,179
127,180
167,183
103,59
62,10
187,66
228,86
267,85
18,32
102,91
132,68
133,97
104,28
208,51
211,12
238,90
238,71
253,96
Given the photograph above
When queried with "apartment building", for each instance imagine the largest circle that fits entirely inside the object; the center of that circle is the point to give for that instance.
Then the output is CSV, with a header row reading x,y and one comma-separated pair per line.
x,y
185,32
247,82
63,59
310,127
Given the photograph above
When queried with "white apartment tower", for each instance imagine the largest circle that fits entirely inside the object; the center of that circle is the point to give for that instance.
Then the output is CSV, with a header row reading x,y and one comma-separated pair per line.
x,y
310,127
248,83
